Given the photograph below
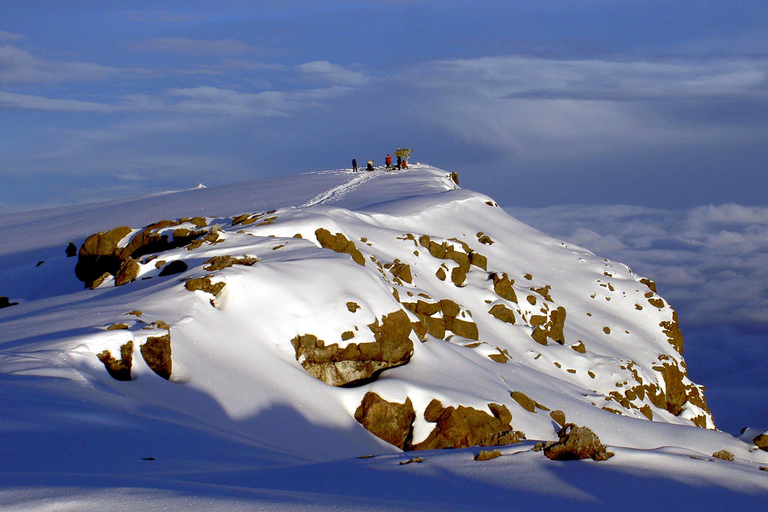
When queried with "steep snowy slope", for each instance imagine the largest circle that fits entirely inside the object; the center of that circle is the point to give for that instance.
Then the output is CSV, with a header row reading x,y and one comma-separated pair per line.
x,y
323,317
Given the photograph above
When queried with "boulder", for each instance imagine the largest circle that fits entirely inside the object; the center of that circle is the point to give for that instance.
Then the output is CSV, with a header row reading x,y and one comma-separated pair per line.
x,y
172,268
339,243
156,352
356,364
761,441
576,443
128,272
118,369
6,302
461,427
390,421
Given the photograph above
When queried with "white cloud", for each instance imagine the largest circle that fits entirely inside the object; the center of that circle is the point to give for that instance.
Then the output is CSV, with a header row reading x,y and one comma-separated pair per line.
x,y
20,66
220,101
333,73
29,102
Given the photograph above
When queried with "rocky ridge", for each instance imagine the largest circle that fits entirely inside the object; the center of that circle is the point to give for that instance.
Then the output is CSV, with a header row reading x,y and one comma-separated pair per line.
x,y
464,287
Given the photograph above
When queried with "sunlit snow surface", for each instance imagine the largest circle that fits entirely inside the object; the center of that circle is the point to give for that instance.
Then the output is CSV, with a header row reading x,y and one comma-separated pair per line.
x,y
242,426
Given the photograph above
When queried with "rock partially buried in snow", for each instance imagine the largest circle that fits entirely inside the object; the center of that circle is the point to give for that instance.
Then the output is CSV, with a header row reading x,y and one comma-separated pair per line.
x,y
461,427
390,421
156,352
761,441
119,369
576,443
357,363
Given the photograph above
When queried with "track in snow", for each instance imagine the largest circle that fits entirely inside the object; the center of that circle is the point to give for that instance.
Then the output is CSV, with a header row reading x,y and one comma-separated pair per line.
x,y
338,192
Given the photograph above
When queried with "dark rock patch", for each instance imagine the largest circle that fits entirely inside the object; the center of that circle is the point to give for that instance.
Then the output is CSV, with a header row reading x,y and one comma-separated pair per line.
x,y
174,267
222,262
390,421
156,352
503,313
724,455
357,363
461,427
483,455
761,441
5,302
558,416
502,286
127,272
576,443
118,369
672,331
340,244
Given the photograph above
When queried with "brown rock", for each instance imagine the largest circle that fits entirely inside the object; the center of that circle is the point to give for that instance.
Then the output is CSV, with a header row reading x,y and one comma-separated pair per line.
x,y
156,352
478,260
672,330
402,271
118,369
226,261
558,416
724,455
487,455
99,254
390,421
576,443
340,244
503,313
458,276
128,272
461,427
502,285
357,363
524,401
461,328
761,441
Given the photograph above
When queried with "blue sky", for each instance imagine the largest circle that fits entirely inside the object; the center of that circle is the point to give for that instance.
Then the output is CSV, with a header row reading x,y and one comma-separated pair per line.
x,y
536,103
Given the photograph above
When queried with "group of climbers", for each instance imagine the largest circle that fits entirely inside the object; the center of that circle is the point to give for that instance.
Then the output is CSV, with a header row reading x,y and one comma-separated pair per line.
x,y
402,163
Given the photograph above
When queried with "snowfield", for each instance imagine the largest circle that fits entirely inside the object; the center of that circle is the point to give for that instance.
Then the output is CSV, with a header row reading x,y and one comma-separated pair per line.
x,y
227,358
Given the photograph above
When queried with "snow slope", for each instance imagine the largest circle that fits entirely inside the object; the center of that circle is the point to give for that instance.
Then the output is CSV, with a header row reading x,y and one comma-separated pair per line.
x,y
242,423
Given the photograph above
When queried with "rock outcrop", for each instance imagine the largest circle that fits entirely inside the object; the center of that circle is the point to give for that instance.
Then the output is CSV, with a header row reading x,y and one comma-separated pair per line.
x,y
107,251
761,441
357,363
6,302
461,427
576,443
119,369
390,421
156,352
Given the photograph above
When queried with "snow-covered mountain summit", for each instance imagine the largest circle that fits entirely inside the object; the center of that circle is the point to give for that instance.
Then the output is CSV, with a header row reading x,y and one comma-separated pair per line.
x,y
326,316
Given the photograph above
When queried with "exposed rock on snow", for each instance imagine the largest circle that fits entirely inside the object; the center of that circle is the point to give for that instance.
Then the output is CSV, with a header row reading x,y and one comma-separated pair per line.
x,y
761,441
356,363
156,352
119,369
6,302
460,427
576,443
339,243
390,421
